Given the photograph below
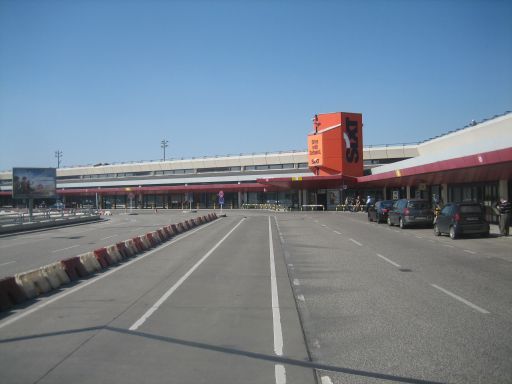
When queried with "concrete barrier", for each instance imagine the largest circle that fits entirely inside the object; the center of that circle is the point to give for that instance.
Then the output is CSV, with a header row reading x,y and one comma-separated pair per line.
x,y
131,247
74,268
33,283
185,225
164,236
144,239
175,228
114,254
10,293
55,274
124,251
139,244
152,239
191,223
167,231
103,257
90,262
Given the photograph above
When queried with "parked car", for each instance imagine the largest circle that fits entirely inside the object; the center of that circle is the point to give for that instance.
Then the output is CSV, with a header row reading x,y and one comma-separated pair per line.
x,y
457,219
408,212
379,211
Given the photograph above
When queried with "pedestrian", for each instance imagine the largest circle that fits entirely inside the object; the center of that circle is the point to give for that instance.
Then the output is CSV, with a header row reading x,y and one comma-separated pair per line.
x,y
369,202
504,210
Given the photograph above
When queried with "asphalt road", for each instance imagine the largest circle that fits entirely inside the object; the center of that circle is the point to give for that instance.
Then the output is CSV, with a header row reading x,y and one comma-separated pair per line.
x,y
25,251
262,297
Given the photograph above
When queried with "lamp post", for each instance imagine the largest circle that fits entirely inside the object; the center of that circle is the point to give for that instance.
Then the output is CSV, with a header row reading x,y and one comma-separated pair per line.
x,y
58,155
163,144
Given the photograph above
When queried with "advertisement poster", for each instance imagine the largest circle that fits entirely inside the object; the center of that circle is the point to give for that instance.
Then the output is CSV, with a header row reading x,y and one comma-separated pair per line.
x,y
34,183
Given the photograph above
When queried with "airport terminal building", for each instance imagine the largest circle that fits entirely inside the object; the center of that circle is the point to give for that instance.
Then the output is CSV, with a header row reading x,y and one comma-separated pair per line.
x,y
471,163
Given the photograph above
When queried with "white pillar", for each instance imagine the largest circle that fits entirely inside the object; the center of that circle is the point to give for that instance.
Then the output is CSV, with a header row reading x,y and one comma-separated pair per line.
x,y
408,192
503,189
444,193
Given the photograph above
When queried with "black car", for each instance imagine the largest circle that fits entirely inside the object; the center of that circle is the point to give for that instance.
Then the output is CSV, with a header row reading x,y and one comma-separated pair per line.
x,y
408,212
457,219
379,211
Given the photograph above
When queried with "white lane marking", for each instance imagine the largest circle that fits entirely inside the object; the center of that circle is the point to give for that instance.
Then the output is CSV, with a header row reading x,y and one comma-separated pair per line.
x,y
296,282
389,261
280,374
301,298
468,303
356,242
280,371
339,233
106,274
323,225
167,294
326,380
448,245
9,262
65,249
108,237
471,252
419,237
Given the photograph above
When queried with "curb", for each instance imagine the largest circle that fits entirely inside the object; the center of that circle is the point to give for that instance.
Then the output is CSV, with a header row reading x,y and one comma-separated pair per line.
x,y
15,290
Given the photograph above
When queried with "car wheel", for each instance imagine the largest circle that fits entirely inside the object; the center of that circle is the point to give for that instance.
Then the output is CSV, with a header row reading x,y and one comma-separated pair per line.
x,y
402,224
389,222
437,232
453,235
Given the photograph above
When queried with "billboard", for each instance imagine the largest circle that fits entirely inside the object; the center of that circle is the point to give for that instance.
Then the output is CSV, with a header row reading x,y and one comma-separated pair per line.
x,y
336,145
34,183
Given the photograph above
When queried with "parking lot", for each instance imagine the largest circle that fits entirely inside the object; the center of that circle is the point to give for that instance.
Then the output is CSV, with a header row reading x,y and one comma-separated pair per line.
x,y
358,302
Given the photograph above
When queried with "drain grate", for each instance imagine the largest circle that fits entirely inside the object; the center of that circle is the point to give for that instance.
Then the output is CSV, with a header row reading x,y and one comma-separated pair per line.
x,y
405,270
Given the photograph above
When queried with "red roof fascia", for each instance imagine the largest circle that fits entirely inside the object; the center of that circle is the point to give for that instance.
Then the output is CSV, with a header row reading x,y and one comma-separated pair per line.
x,y
477,160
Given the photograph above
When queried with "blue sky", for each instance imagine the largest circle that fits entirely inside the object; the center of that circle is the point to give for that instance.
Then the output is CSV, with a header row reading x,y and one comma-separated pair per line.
x,y
106,81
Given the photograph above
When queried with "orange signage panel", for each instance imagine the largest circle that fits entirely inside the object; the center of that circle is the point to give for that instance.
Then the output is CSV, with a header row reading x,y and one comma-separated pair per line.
x,y
336,146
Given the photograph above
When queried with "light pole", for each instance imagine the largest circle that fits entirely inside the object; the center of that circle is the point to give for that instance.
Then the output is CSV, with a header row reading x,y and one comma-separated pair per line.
x,y
163,144
58,155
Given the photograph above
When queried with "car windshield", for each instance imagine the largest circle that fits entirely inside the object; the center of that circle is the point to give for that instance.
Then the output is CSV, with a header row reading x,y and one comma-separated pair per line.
x,y
419,205
471,209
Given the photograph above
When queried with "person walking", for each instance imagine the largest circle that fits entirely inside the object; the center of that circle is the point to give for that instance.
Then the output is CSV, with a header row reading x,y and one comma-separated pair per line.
x,y
504,209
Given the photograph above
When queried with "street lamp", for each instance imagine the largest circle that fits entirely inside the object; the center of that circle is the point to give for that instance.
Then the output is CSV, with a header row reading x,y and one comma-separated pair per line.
x,y
163,144
58,155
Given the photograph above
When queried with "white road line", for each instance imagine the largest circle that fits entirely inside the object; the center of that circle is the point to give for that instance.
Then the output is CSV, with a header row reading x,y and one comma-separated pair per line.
x,y
448,246
65,249
173,289
389,261
419,237
102,276
323,225
468,303
326,380
471,252
280,374
108,237
356,242
9,262
280,371
301,298
339,233
296,282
